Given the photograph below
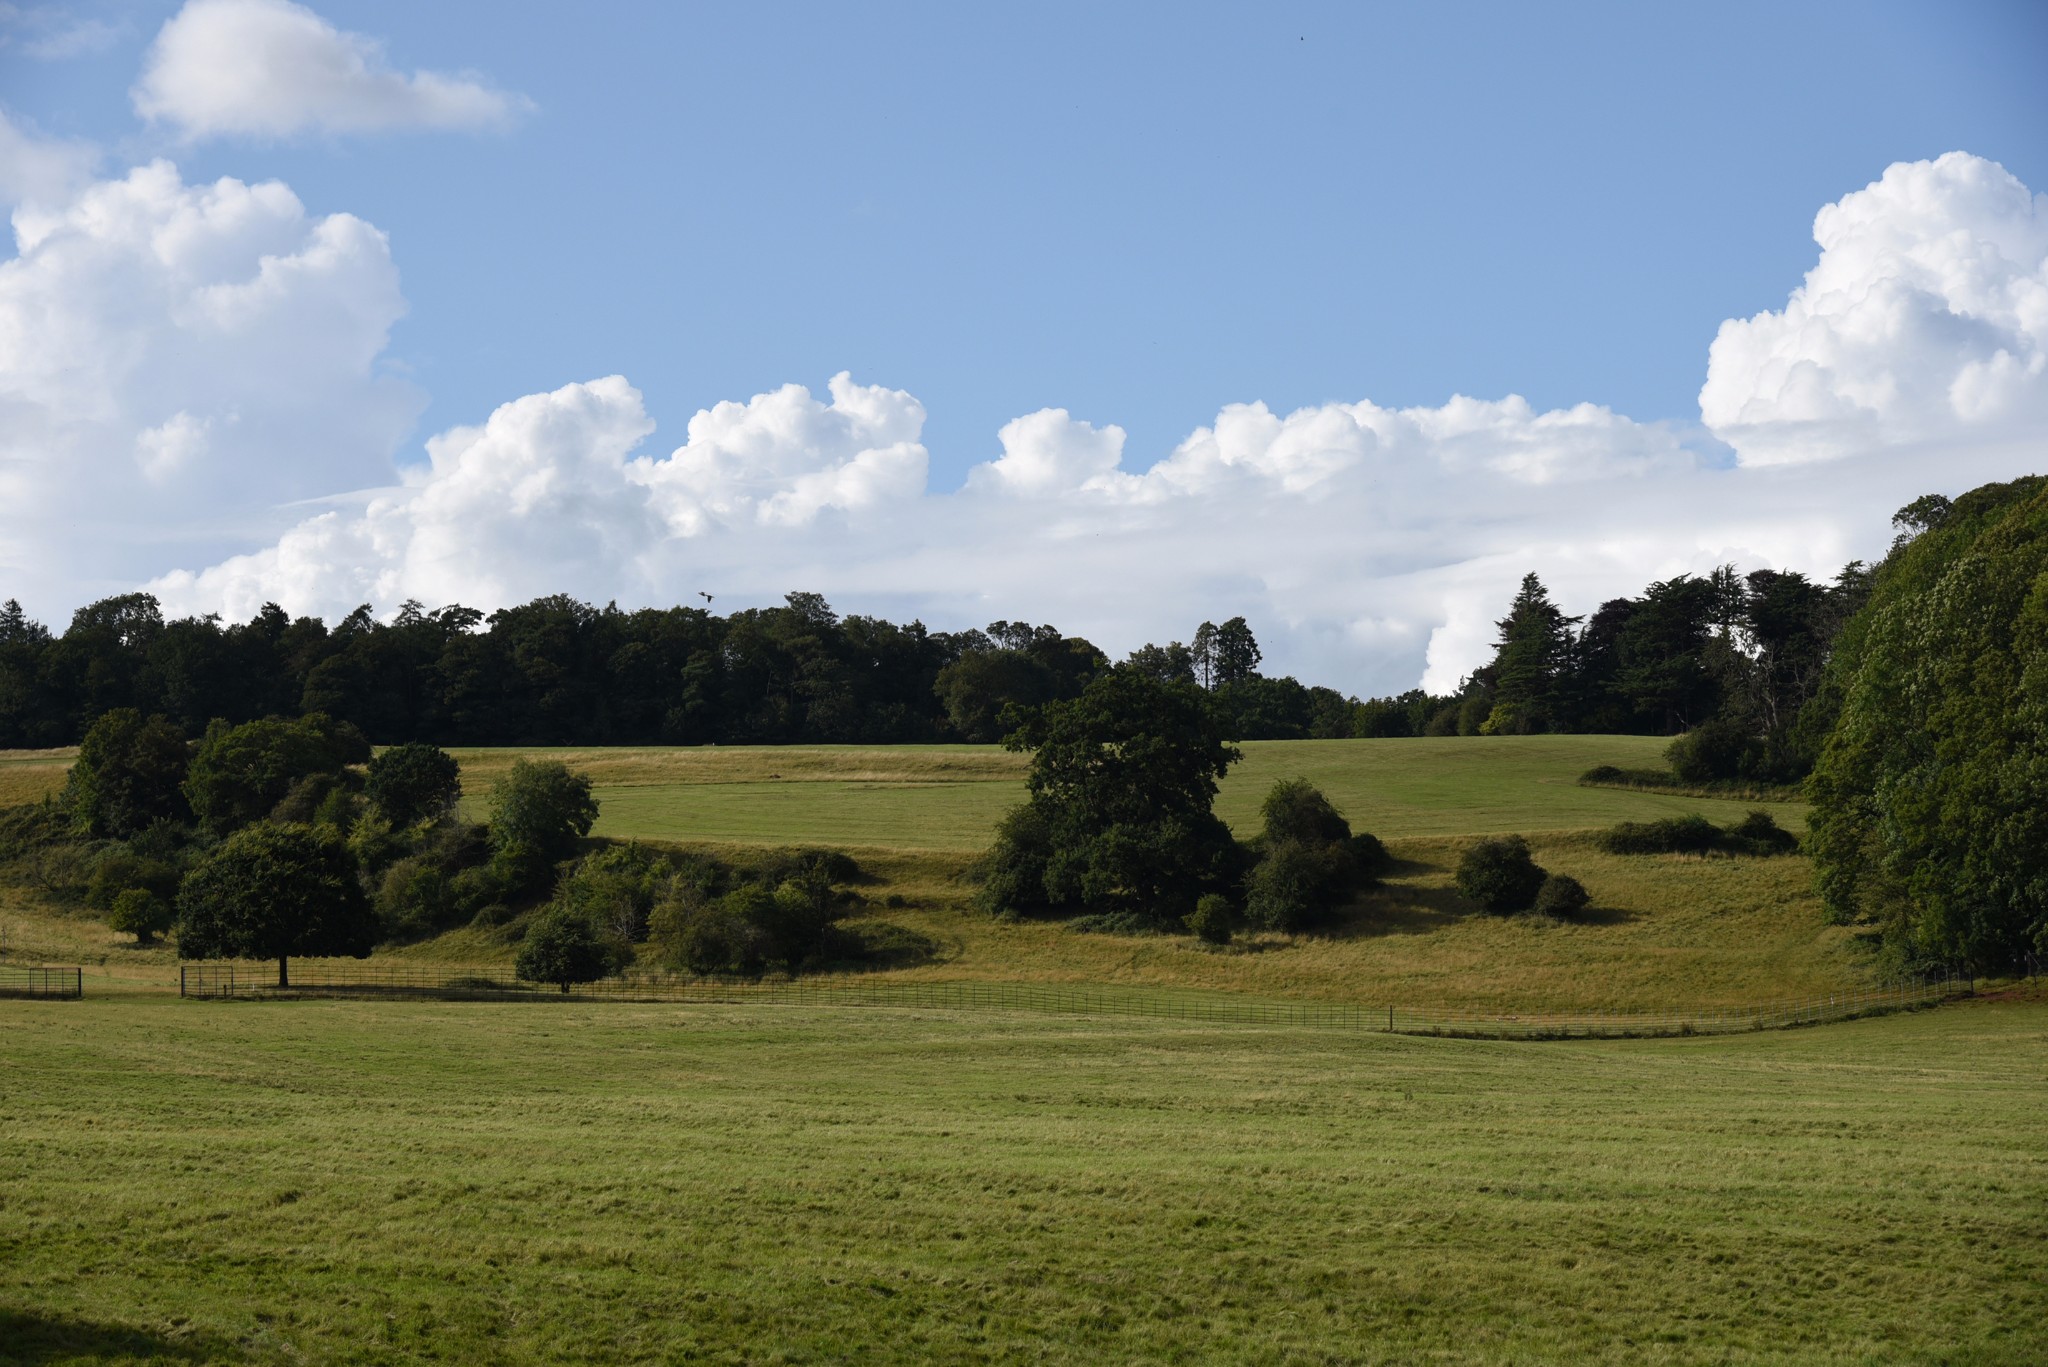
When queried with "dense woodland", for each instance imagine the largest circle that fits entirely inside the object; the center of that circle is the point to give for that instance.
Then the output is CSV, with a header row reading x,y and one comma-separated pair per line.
x,y
1743,652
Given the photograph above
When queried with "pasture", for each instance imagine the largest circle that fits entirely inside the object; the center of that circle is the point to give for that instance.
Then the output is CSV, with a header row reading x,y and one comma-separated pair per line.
x,y
389,1183
949,797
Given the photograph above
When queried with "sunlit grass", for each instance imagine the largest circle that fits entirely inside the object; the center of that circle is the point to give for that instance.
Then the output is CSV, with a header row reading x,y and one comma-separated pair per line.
x,y
386,1183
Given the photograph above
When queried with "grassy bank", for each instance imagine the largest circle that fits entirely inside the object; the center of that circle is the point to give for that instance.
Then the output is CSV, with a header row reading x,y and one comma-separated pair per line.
x,y
384,1183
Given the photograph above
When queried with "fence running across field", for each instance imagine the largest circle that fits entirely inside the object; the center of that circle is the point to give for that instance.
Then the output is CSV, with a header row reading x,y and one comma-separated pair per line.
x,y
326,979
61,983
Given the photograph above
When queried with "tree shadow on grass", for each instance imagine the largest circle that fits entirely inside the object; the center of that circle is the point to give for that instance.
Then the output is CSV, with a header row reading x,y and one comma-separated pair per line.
x,y
30,1338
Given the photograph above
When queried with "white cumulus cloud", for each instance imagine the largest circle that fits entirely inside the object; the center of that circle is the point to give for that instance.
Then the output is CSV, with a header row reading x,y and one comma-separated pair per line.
x,y
273,69
194,357
178,361
1926,319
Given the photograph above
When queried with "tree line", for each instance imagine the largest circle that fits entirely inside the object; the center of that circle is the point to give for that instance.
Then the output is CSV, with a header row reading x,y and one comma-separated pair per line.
x,y
1743,653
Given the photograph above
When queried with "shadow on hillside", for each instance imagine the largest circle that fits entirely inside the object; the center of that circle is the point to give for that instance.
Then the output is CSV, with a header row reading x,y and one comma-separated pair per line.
x,y
32,1337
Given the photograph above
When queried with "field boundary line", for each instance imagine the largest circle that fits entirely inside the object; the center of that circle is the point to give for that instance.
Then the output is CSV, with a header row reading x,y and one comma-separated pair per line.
x,y
311,979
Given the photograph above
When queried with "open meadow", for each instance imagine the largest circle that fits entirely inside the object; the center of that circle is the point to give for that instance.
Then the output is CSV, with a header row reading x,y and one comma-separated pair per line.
x,y
394,1183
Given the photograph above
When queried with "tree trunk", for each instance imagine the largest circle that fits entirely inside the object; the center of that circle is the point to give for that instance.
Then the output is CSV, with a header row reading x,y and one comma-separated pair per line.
x,y
565,989
283,978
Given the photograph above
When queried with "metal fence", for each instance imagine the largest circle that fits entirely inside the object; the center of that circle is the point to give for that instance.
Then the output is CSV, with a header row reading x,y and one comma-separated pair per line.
x,y
67,984
312,979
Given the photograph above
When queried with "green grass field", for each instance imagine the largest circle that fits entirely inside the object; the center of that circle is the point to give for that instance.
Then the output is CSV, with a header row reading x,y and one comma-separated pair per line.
x,y
949,797
392,1183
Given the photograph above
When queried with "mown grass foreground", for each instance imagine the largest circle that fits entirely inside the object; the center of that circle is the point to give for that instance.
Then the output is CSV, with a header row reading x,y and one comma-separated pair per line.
x,y
381,1182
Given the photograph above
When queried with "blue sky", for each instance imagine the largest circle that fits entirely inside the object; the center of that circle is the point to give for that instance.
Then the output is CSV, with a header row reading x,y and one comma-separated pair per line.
x,y
1136,214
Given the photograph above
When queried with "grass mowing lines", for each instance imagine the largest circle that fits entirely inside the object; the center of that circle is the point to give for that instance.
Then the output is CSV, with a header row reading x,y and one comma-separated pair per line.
x,y
383,1182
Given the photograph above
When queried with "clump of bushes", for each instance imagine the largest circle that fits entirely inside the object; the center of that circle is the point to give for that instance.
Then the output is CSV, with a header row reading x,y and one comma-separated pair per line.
x,y
1562,896
1212,921
782,911
1758,833
1309,862
1503,877
143,914
1500,875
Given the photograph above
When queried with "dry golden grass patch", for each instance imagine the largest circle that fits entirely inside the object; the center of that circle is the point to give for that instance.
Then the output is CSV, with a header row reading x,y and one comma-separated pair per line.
x,y
31,775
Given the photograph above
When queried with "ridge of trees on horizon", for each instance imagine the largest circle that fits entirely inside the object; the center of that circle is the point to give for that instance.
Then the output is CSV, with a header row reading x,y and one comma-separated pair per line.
x,y
1743,652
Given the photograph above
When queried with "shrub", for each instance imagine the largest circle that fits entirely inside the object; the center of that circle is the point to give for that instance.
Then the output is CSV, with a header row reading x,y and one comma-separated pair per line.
x,y
615,889
1689,834
564,948
143,914
413,783
239,773
129,773
1562,895
1013,872
1712,752
1296,810
1500,875
117,870
413,899
540,812
707,937
1212,919
1369,855
1297,887
1760,834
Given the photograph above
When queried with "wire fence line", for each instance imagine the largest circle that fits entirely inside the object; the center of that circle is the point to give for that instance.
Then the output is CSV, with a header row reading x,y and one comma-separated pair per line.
x,y
312,979
63,984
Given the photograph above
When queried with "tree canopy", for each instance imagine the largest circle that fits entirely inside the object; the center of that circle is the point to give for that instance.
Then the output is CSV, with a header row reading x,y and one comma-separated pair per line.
x,y
1930,817
1122,782
274,892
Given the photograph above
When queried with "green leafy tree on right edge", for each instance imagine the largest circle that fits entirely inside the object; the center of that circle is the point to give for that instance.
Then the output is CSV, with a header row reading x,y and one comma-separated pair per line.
x,y
1930,797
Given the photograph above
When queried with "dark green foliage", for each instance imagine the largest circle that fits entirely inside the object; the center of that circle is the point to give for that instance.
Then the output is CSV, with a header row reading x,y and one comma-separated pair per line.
x,y
271,892
540,813
1759,833
1296,810
1116,923
1716,751
1930,797
1532,660
1688,834
1500,875
331,798
712,936
1122,781
1212,920
563,949
240,773
1562,896
1310,863
1225,655
117,868
413,782
141,913
1297,886
615,889
129,773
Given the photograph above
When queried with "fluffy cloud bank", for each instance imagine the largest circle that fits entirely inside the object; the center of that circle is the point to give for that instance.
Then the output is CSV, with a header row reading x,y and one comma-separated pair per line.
x,y
1925,320
161,345
177,363
273,69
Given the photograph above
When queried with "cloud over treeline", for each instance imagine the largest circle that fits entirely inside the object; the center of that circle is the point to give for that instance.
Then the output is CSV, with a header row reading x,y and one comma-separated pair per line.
x,y
218,356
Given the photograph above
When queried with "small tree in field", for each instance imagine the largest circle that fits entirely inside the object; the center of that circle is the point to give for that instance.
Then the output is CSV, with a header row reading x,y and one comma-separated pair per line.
x,y
270,892
563,948
539,812
1500,876
143,914
413,782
